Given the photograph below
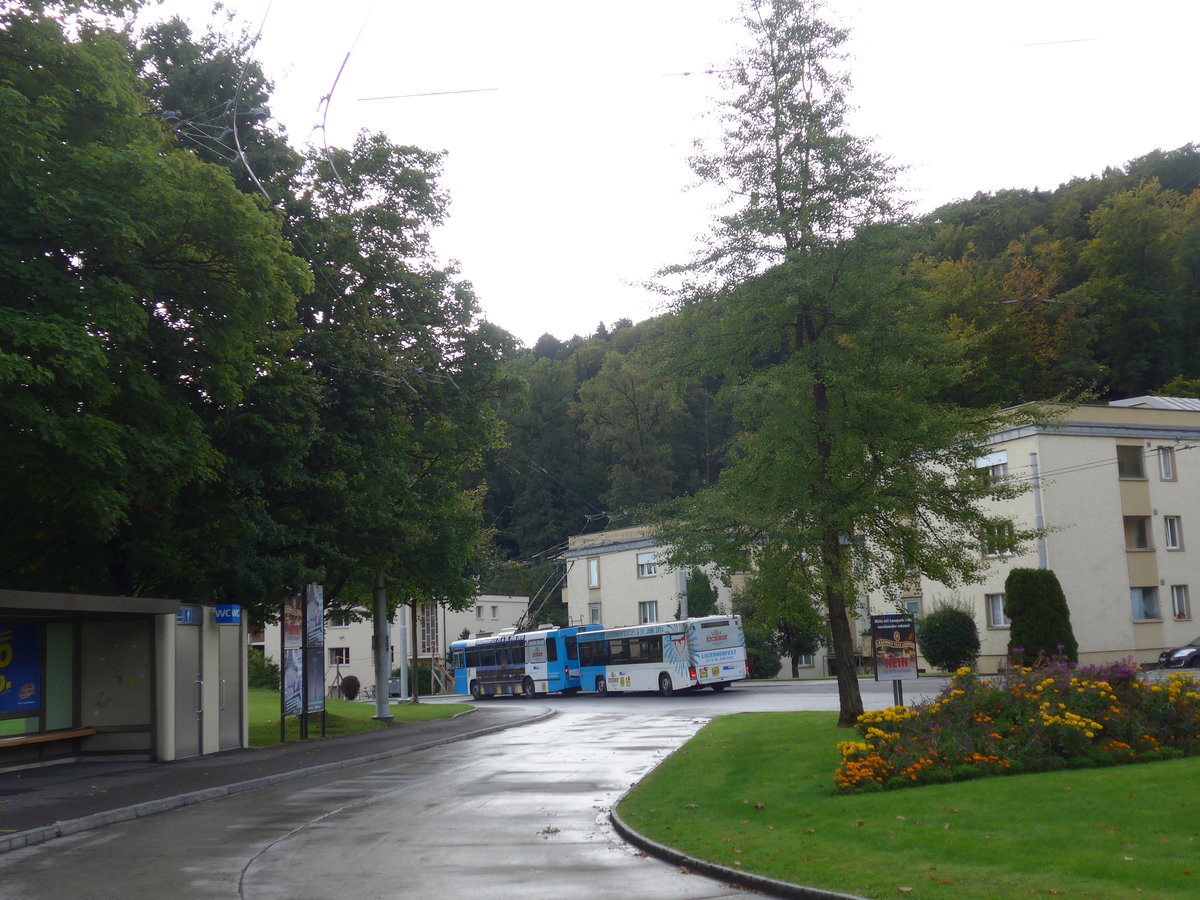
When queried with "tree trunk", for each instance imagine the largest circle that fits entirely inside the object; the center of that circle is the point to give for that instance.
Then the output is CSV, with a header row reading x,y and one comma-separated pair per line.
x,y
850,703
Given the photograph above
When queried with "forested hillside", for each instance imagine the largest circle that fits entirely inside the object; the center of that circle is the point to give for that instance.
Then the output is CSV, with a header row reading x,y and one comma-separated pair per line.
x,y
1092,289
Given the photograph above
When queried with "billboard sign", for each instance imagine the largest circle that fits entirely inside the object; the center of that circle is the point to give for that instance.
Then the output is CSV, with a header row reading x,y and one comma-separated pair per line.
x,y
894,644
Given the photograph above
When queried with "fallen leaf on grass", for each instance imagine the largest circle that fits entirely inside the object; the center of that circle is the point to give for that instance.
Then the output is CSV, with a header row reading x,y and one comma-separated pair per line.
x,y
904,890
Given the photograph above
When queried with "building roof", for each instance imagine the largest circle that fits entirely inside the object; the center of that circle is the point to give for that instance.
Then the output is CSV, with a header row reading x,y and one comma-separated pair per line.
x,y
1187,404
34,603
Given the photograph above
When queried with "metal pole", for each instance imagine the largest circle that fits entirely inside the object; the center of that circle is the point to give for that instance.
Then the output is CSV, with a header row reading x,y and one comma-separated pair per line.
x,y
402,651
683,598
382,713
1038,520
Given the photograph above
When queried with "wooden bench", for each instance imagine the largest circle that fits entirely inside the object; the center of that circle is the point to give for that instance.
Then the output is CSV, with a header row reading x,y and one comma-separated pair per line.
x,y
43,737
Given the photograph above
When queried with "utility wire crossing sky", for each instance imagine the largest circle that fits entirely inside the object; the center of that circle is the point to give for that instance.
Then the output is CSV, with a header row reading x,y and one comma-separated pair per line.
x,y
568,126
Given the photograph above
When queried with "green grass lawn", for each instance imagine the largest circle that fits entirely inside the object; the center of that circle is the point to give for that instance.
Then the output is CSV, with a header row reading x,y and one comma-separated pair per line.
x,y
755,792
342,717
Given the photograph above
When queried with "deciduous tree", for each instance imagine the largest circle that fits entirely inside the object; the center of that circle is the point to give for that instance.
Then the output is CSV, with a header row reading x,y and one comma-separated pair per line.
x,y
850,470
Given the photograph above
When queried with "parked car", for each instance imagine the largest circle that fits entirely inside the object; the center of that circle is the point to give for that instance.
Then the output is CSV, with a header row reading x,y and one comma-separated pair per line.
x,y
1185,657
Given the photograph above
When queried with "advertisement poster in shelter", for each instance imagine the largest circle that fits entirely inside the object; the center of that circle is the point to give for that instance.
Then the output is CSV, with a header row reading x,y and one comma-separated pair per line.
x,y
20,667
894,643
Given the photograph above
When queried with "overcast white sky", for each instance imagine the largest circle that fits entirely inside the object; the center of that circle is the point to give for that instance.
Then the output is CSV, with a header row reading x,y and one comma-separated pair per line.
x,y
567,181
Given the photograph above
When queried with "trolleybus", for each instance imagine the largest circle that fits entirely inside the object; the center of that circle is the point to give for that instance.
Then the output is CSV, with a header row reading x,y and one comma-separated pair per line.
x,y
518,663
709,651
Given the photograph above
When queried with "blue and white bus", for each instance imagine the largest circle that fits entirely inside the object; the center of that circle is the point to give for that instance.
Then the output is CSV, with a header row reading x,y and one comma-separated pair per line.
x,y
514,663
664,656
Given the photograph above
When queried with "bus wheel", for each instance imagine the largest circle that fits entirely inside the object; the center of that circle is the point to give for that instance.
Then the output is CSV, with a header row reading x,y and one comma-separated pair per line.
x,y
664,685
601,685
720,687
475,692
527,687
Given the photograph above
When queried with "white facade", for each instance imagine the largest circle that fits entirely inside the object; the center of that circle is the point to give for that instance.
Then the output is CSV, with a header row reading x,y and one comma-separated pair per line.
x,y
1118,489
350,647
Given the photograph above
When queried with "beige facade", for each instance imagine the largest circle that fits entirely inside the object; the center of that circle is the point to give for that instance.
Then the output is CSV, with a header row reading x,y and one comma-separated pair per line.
x,y
614,578
349,643
1118,489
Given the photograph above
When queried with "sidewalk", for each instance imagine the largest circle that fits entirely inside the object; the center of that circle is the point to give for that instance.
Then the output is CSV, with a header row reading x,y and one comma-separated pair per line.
x,y
39,804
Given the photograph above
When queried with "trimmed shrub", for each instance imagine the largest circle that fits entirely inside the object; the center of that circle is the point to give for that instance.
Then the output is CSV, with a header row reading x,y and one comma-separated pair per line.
x,y
948,637
350,687
1041,622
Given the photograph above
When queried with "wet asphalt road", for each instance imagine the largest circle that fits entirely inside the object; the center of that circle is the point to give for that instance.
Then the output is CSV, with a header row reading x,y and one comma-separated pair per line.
x,y
521,813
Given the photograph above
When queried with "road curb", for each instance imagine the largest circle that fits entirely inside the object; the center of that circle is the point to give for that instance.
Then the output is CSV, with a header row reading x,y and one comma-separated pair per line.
x,y
33,836
731,876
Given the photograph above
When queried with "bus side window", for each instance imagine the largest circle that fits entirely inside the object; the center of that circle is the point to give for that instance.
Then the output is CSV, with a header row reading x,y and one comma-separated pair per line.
x,y
573,648
619,651
552,650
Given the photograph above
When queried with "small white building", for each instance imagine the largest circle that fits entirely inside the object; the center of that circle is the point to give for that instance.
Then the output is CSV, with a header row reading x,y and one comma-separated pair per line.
x,y
350,644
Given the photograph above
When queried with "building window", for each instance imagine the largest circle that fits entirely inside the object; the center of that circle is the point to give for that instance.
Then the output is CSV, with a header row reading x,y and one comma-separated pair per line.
x,y
339,656
593,572
648,611
1137,533
646,565
804,661
993,467
1180,607
1174,533
999,539
339,618
1131,462
1166,463
913,607
495,612
995,611
1145,603
427,616
479,612
594,614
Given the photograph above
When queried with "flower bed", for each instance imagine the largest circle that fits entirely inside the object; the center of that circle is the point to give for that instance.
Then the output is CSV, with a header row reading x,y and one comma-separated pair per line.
x,y
1024,720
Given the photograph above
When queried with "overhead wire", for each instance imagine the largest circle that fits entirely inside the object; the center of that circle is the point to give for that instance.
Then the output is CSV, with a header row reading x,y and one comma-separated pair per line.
x,y
237,97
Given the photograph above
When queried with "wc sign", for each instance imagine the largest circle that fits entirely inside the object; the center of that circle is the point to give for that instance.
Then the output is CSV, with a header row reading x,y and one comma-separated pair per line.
x,y
230,614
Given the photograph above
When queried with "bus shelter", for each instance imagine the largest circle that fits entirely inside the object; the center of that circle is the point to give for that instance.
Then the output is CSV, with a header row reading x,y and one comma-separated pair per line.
x,y
93,676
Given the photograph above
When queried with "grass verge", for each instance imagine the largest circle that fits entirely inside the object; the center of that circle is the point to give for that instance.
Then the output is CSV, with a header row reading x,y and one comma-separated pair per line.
x,y
754,792
341,717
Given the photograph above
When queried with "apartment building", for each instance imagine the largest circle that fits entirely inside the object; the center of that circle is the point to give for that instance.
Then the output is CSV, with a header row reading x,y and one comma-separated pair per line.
x,y
1117,488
